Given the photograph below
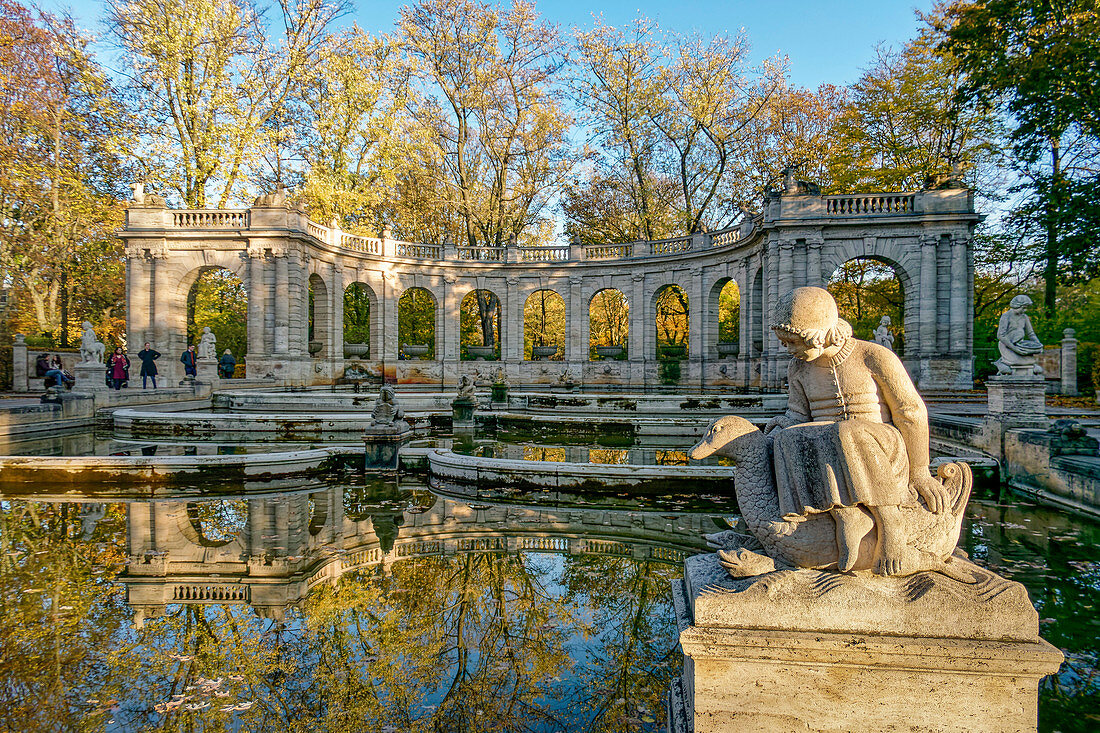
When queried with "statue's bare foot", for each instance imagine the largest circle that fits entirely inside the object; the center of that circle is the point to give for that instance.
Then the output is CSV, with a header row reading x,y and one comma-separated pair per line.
x,y
852,523
894,558
745,563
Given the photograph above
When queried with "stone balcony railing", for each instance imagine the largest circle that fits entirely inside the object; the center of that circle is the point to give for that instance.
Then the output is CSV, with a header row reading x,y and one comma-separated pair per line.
x,y
840,209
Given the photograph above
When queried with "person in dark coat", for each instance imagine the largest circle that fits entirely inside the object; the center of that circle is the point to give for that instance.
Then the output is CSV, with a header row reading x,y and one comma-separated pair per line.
x,y
42,365
188,358
118,366
148,358
227,365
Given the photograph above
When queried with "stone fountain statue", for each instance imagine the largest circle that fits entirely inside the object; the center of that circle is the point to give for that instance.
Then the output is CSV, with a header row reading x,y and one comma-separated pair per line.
x,y
883,336
840,481
92,349
466,390
386,412
1017,342
208,344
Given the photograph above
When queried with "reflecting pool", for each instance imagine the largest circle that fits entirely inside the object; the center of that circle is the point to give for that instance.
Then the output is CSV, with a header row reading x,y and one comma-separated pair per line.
x,y
375,605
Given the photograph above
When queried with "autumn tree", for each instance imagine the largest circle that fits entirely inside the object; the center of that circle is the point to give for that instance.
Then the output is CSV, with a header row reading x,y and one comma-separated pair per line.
x,y
61,175
1038,63
207,79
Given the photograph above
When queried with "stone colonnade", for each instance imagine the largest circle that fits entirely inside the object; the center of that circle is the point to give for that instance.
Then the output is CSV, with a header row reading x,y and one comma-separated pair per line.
x,y
798,239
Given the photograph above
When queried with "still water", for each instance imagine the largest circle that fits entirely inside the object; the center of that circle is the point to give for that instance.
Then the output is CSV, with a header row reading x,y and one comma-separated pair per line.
x,y
372,606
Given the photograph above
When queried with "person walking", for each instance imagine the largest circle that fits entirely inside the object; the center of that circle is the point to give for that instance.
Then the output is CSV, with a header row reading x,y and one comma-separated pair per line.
x,y
119,368
190,368
148,358
227,365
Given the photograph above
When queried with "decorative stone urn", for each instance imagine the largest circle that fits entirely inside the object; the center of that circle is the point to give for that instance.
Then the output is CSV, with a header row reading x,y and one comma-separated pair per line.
x,y
315,347
608,352
415,351
541,352
671,351
482,353
728,348
360,350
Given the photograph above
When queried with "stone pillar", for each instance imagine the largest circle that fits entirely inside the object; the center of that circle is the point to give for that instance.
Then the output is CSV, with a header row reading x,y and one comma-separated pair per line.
x,y
1069,362
1016,401
282,305
814,276
577,328
388,351
639,337
959,299
451,317
826,651
137,302
511,321
161,321
298,313
927,327
257,304
698,318
20,376
336,304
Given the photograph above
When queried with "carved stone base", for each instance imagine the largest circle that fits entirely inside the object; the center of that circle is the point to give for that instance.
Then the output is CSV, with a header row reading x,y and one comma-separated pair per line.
x,y
822,651
90,377
207,371
382,444
1017,401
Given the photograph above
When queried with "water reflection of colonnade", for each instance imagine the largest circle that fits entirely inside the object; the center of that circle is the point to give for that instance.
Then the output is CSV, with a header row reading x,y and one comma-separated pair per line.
x,y
270,552
296,272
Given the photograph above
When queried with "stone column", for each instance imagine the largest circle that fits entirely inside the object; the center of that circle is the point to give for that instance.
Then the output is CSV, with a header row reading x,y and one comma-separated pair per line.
x,y
282,305
639,337
927,327
298,313
744,291
137,302
20,377
336,303
577,329
390,296
959,281
1069,362
257,304
511,322
169,365
699,320
451,316
814,275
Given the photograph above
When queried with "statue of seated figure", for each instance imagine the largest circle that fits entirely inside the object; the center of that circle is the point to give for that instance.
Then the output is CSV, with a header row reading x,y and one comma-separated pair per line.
x,y
847,485
1016,340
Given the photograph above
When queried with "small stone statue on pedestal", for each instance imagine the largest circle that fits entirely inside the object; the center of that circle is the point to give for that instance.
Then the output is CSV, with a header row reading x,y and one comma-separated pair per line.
x,y
1017,342
462,407
92,349
388,430
386,412
883,337
208,344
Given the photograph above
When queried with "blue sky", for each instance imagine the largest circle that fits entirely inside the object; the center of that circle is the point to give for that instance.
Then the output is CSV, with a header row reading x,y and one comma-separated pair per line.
x,y
826,40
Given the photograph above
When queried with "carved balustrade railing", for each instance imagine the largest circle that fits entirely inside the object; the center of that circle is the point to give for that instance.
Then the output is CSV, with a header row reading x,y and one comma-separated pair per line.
x,y
210,218
863,205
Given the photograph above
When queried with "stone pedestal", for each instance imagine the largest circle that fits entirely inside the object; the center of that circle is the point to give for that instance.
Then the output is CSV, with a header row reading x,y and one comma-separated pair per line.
x,y
1017,401
382,444
90,377
825,651
20,379
462,412
207,370
499,394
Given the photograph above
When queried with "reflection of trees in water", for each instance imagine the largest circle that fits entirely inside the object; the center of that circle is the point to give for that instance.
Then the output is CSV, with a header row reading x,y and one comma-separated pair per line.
x,y
627,667
219,521
59,612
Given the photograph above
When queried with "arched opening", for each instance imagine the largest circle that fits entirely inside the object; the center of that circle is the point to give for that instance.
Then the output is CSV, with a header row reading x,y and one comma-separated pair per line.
x,y
416,324
479,325
218,300
319,337
671,321
357,324
544,326
608,325
218,522
726,304
867,291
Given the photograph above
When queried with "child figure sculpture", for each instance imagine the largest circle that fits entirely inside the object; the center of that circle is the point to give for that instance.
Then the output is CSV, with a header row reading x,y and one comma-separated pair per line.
x,y
851,447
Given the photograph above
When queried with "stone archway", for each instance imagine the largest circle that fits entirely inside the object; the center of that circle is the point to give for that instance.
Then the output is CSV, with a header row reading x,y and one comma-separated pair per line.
x,y
360,337
416,324
218,299
544,325
320,338
671,319
479,325
608,324
869,287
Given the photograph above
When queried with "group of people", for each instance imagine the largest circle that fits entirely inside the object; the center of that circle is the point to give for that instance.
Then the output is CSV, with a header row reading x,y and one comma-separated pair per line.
x,y
118,367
